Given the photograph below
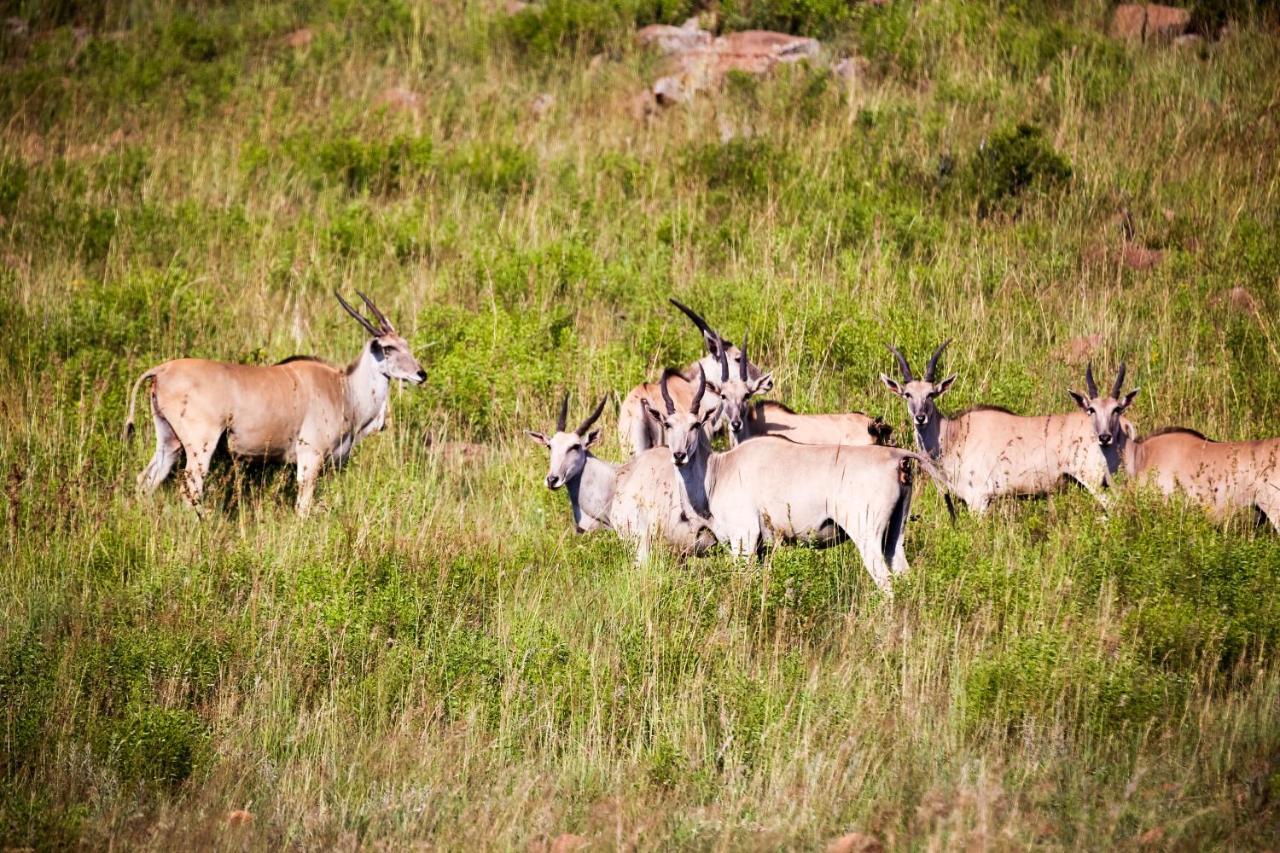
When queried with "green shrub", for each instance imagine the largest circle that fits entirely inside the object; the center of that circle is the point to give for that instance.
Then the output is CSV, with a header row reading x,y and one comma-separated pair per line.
x,y
584,27
816,18
1013,162
161,746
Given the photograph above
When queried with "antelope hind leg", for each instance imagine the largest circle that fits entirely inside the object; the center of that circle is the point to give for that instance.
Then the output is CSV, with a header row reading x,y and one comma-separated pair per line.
x,y
166,455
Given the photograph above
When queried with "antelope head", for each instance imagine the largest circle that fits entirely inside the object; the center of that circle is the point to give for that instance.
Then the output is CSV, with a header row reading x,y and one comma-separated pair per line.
x,y
921,394
389,351
1104,412
568,449
735,390
684,429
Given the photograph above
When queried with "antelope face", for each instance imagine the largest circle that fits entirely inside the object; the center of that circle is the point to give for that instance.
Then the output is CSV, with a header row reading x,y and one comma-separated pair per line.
x,y
389,351
684,429
568,455
735,402
568,449
921,394
921,397
1104,411
684,432
394,360
736,387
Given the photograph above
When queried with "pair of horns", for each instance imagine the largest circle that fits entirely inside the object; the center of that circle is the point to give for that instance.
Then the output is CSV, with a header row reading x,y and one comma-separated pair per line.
x,y
714,341
384,326
585,425
696,405
720,343
1092,387
930,370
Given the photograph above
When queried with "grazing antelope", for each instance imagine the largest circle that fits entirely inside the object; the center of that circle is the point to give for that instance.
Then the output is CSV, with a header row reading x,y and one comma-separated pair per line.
x,y
771,490
737,384
1222,476
989,452
638,500
302,410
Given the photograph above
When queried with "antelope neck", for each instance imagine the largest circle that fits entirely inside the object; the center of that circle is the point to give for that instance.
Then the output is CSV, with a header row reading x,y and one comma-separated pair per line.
x,y
367,389
591,491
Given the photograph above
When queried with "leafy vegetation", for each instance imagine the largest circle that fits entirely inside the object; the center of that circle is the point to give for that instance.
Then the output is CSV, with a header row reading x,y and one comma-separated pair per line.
x,y
434,657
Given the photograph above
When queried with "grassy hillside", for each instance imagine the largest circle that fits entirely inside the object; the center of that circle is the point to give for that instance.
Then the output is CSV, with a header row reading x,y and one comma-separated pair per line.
x,y
434,657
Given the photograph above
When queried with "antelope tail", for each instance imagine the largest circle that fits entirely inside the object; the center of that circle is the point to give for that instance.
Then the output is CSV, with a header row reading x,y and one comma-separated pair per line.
x,y
133,397
935,473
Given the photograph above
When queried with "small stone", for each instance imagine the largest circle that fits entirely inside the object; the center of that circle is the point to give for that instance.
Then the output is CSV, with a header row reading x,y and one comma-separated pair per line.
x,y
667,39
1148,22
542,105
299,37
398,97
855,842
1078,349
1151,837
1138,257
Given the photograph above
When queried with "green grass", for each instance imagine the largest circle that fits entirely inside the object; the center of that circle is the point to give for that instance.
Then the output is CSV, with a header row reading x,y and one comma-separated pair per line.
x,y
433,657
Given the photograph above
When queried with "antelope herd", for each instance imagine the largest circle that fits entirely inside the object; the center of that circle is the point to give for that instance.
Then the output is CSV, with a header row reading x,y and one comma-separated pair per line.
x,y
820,479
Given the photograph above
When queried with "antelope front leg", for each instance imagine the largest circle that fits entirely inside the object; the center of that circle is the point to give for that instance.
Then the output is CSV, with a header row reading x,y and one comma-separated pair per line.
x,y
309,464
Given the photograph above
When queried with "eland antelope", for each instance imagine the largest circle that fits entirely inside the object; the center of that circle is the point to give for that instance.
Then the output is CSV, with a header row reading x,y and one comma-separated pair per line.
x,y
771,490
739,380
638,500
1223,476
988,452
769,417
302,410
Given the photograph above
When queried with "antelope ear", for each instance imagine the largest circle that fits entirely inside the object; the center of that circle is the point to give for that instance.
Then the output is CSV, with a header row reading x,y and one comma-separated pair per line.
x,y
763,385
945,385
538,437
891,384
1128,399
592,438
1081,400
649,411
375,347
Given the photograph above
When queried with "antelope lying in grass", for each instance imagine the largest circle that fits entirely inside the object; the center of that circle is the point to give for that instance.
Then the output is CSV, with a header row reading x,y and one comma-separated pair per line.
x,y
740,379
988,452
302,410
772,490
638,500
1223,476
769,417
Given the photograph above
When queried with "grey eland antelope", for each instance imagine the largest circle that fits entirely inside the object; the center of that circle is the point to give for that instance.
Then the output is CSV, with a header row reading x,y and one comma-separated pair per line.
x,y
638,500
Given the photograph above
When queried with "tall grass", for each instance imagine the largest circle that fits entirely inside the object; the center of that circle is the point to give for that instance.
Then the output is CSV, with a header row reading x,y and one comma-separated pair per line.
x,y
434,657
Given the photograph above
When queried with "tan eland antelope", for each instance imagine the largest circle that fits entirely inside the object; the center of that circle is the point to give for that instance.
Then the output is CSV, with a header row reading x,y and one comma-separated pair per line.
x,y
747,419
771,490
1222,476
988,452
638,500
739,380
303,410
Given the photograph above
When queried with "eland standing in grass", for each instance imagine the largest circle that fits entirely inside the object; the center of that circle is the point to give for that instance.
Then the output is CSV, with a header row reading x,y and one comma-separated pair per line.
x,y
771,490
989,452
303,410
1225,477
638,500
